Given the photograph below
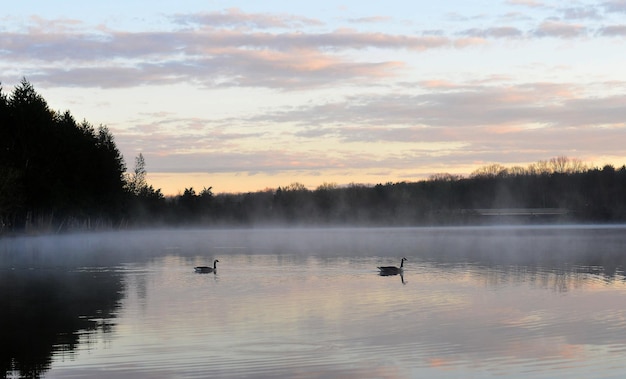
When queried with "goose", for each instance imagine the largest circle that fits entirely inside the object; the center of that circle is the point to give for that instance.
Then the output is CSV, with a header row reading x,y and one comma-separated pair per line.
x,y
207,269
392,270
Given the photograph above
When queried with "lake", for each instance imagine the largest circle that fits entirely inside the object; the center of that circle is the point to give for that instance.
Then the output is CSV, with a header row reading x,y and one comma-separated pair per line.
x,y
474,302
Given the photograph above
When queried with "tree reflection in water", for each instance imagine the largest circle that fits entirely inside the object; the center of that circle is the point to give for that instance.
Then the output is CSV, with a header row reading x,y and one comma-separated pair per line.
x,y
44,311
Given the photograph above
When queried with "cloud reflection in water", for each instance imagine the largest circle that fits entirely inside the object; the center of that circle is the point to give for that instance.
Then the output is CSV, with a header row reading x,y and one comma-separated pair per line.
x,y
310,303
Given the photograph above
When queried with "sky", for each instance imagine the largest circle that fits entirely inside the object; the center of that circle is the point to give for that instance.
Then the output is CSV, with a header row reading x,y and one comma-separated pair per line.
x,y
250,95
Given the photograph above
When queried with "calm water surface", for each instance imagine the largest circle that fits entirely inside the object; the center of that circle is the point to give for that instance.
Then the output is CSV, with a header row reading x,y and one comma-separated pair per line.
x,y
515,302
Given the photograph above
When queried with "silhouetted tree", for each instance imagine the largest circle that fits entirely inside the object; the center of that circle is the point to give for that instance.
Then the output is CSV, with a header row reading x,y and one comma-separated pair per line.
x,y
57,172
136,181
146,204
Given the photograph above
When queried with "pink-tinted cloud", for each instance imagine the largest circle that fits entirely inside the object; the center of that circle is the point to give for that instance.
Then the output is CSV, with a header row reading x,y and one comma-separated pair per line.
x,y
438,83
238,48
469,42
51,46
287,59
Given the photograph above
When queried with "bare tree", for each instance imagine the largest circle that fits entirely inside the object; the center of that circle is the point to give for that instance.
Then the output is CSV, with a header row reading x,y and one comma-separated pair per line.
x,y
490,171
136,181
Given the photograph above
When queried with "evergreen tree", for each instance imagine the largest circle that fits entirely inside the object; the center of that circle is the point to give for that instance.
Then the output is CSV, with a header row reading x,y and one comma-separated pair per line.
x,y
54,171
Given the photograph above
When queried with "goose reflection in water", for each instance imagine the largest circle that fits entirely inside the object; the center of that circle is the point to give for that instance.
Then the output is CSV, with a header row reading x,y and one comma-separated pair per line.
x,y
207,269
401,274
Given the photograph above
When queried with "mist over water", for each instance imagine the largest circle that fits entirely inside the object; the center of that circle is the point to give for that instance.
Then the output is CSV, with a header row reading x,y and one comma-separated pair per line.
x,y
535,301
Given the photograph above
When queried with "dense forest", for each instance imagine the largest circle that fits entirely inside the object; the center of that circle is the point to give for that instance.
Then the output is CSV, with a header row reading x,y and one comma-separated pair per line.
x,y
57,174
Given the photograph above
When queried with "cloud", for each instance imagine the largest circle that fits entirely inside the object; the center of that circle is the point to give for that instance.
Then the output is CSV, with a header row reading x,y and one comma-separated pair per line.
x,y
370,20
438,83
428,117
436,123
235,18
580,13
237,48
262,160
350,39
613,31
241,59
37,24
559,29
418,146
212,57
527,3
616,6
496,32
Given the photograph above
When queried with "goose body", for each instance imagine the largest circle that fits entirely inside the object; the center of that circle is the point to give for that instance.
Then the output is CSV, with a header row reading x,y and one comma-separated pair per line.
x,y
207,269
392,270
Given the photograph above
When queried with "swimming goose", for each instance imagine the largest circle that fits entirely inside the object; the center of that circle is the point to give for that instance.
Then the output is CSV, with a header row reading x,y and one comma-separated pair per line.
x,y
392,270
207,269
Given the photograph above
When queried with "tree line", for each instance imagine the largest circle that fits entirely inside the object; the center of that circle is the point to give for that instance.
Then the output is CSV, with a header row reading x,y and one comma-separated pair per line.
x,y
588,195
58,174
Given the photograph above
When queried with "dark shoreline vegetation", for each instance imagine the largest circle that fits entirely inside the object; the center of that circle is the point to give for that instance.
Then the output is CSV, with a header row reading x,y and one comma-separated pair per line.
x,y
58,175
